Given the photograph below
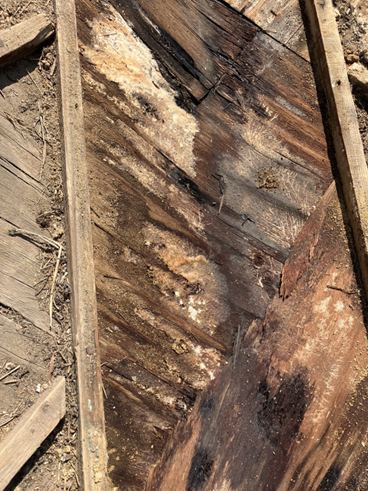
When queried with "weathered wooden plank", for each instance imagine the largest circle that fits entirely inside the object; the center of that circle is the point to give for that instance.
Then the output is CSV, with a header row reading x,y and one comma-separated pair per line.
x,y
289,412
19,150
18,270
176,276
31,430
344,126
92,439
17,347
23,38
21,297
281,19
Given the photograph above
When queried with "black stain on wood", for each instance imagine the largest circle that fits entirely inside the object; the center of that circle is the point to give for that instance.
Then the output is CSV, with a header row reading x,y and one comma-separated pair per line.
x,y
330,479
200,470
283,409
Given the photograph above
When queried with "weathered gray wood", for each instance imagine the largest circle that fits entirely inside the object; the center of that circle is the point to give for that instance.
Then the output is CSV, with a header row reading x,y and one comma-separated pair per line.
x,y
23,38
31,430
19,149
93,453
343,123
17,347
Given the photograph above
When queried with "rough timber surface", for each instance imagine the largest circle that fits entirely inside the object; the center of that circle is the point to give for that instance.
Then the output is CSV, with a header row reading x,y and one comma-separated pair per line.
x,y
23,38
282,20
208,157
348,144
31,430
20,190
92,451
290,411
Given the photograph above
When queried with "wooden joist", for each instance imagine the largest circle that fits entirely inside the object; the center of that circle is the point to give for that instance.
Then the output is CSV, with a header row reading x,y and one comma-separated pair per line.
x,y
344,127
31,430
80,255
23,38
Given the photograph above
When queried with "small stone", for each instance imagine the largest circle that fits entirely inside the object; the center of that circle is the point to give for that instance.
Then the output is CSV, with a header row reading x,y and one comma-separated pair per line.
x,y
352,58
67,449
57,231
364,56
358,76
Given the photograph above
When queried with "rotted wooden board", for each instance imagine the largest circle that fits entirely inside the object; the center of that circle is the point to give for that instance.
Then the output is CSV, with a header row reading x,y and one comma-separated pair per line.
x,y
208,157
281,20
290,411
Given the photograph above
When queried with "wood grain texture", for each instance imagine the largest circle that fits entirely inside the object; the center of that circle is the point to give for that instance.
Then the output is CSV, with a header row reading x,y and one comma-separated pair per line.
x,y
20,194
31,430
282,20
93,454
23,38
344,126
17,347
175,275
289,412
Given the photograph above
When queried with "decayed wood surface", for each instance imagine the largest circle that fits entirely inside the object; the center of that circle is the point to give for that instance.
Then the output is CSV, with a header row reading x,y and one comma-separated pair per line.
x,y
20,191
93,455
281,19
31,430
289,412
344,126
207,159
23,38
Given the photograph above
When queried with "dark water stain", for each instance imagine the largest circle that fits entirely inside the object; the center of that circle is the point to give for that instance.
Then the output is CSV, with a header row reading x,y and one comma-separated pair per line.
x,y
330,479
282,412
200,470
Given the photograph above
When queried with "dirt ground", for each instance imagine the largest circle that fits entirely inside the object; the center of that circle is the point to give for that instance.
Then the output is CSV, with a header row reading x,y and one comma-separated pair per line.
x,y
30,102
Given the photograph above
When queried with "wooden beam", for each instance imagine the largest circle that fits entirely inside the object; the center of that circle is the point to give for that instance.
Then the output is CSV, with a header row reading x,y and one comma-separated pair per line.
x,y
23,38
327,51
93,454
31,430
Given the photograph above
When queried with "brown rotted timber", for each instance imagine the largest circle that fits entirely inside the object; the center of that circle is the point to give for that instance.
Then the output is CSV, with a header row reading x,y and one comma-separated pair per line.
x,y
348,146
93,455
215,111
290,412
31,430
23,38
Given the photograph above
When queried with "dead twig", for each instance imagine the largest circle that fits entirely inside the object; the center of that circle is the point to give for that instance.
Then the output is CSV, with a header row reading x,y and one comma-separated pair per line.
x,y
20,9
9,373
6,422
30,76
